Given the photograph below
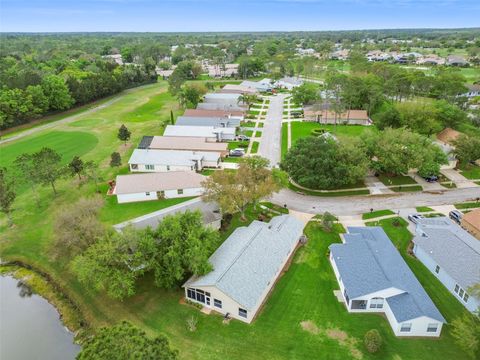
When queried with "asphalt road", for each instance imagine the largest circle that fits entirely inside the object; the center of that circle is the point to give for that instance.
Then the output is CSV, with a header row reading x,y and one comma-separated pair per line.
x,y
349,205
270,142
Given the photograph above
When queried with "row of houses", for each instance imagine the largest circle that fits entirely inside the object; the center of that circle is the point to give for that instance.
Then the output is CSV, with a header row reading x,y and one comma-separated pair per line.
x,y
168,166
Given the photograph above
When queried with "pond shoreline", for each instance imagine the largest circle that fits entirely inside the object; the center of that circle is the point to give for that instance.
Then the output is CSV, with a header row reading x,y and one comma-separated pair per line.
x,y
42,284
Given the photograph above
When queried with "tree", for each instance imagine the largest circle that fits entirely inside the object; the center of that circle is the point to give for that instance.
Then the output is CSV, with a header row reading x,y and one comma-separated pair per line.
x,y
124,134
185,70
233,191
7,194
323,163
92,173
327,221
306,93
125,341
466,332
115,261
184,245
172,119
373,340
190,95
76,227
467,148
387,116
26,170
449,115
419,117
48,167
56,91
76,167
115,159
397,151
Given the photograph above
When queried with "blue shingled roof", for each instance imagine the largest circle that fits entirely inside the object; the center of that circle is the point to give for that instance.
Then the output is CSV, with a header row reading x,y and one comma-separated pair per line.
x,y
369,262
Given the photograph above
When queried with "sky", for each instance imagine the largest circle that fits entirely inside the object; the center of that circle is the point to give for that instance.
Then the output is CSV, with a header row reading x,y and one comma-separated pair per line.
x,y
233,15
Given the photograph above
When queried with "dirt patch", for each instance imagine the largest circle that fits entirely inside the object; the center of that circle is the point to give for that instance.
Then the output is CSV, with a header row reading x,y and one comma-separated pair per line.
x,y
310,326
345,340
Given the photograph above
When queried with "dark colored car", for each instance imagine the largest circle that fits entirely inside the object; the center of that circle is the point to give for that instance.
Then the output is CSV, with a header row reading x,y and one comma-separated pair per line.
x,y
431,178
456,216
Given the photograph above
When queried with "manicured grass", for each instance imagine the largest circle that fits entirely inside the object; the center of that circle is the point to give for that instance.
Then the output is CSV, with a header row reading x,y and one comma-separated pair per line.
x,y
232,159
303,129
254,112
261,124
468,205
378,213
470,171
423,209
248,124
275,207
255,146
396,180
258,134
432,215
328,194
207,172
237,144
248,133
407,188
284,145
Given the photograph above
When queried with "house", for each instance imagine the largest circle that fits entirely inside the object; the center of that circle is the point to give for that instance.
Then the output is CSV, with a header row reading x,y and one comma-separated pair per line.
x,y
146,160
453,60
446,140
261,86
238,89
452,255
471,222
207,121
155,186
246,267
340,54
288,83
431,60
448,136
211,215
219,106
211,133
215,113
183,143
165,74
325,116
373,277
223,99
116,58
222,71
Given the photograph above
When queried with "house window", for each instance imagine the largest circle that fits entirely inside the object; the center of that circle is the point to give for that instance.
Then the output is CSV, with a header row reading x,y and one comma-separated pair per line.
x,y
457,288
217,303
180,191
465,297
147,193
406,327
376,303
168,167
461,292
437,269
242,312
199,296
149,167
134,166
347,300
432,327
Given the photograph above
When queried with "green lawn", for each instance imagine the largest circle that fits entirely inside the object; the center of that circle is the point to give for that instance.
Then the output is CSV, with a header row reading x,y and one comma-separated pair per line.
x,y
376,214
328,194
423,209
468,205
470,171
407,188
258,134
255,146
261,124
284,144
248,124
396,180
237,144
303,129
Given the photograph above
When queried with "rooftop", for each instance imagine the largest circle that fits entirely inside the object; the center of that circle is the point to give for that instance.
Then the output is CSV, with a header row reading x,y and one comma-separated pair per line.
x,y
448,135
452,248
368,262
247,262
186,143
473,218
170,157
212,113
218,106
149,182
207,121
197,131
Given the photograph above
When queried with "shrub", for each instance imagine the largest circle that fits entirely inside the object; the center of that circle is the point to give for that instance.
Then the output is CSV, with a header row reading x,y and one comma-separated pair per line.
x,y
115,159
373,340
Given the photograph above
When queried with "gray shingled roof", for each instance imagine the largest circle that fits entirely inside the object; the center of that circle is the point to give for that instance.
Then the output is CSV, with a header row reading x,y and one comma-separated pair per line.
x,y
452,248
246,263
210,214
207,121
369,262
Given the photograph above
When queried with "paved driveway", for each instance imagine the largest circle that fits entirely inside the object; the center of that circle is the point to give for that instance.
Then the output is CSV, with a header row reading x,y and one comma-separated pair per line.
x,y
349,205
270,142
459,180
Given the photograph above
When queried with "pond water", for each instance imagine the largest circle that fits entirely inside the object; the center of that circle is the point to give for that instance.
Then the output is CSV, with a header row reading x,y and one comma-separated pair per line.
x,y
30,327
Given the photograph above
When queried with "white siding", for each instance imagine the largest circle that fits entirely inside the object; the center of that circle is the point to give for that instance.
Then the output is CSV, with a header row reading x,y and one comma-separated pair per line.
x,y
161,168
472,304
169,194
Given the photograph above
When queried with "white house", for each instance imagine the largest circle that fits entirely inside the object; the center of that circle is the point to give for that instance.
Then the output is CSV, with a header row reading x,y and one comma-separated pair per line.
x,y
262,85
452,255
154,186
151,160
288,83
207,121
210,132
219,106
223,98
373,277
246,267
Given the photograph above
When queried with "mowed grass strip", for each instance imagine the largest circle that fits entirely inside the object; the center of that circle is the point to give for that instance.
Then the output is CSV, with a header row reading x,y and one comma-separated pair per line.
x,y
376,214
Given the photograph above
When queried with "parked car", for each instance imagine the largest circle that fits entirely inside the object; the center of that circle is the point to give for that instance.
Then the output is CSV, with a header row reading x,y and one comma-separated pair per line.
x,y
415,218
431,178
239,152
456,216
243,138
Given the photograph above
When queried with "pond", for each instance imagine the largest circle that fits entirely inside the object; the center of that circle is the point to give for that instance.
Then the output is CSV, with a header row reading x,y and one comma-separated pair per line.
x,y
30,327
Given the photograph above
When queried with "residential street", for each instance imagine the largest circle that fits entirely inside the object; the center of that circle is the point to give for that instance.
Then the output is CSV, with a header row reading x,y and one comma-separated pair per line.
x,y
270,143
349,205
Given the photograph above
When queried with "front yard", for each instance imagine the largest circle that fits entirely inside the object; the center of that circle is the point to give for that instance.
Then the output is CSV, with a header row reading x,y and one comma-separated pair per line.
x,y
470,171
